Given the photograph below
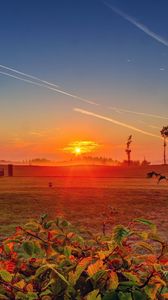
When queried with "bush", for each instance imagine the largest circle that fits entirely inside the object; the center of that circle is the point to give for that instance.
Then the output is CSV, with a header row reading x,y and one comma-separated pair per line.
x,y
51,260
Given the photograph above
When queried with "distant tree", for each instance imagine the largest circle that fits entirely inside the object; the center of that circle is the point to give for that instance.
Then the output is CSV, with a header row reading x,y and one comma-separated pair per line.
x,y
164,134
128,150
145,163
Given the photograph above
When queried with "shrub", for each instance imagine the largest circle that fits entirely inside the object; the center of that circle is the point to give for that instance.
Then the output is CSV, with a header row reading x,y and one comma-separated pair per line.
x,y
51,260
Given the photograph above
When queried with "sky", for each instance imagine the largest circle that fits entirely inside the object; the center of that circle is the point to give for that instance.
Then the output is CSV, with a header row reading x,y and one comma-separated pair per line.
x,y
99,73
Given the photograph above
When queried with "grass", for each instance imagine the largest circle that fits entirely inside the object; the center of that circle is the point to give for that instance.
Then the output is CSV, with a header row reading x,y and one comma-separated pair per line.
x,y
84,202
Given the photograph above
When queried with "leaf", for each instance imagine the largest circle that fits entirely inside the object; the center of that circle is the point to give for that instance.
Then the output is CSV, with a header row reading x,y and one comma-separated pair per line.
x,y
146,222
45,293
120,232
29,287
48,224
64,223
3,297
82,265
6,276
110,296
151,291
7,249
32,296
113,281
94,295
97,276
95,267
52,267
32,226
41,270
28,247
144,235
67,251
124,296
157,279
103,254
21,296
145,245
165,296
132,277
138,295
20,284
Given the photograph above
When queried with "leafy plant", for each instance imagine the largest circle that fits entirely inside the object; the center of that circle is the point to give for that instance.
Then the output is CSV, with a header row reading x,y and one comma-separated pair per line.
x,y
52,260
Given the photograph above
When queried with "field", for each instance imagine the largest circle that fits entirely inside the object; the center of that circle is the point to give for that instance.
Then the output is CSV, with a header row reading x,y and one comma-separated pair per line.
x,y
82,200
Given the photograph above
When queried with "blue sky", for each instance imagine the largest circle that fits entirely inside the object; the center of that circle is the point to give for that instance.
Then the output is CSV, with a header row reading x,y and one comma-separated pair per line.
x,y
91,51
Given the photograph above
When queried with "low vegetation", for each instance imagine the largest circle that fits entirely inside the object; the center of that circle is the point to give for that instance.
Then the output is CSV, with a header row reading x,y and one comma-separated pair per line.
x,y
52,260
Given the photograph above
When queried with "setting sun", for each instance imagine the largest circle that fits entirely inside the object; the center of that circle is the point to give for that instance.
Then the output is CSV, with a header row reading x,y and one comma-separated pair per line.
x,y
81,147
77,150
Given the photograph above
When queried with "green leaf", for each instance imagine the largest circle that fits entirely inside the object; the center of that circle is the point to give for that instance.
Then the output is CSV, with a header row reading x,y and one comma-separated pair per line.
x,y
146,222
132,277
32,296
151,292
67,251
7,249
124,296
45,293
52,267
6,276
138,295
48,224
97,276
64,223
41,270
120,232
94,295
44,216
28,247
111,296
20,296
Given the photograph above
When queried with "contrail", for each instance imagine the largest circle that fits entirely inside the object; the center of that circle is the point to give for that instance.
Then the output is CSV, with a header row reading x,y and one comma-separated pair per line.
x,y
27,75
139,25
85,112
49,88
138,113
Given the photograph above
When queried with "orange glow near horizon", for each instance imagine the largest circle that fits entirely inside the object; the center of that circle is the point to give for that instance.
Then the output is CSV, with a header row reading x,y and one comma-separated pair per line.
x,y
81,147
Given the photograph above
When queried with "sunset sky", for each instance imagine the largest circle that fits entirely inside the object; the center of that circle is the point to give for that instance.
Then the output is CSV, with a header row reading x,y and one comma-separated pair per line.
x,y
109,61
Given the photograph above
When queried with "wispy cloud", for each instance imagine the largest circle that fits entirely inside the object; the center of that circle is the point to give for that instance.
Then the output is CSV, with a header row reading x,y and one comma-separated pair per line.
x,y
121,110
28,75
33,82
137,24
85,112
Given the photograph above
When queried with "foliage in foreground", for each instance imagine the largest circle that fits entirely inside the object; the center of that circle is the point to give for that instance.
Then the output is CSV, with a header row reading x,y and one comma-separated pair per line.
x,y
51,260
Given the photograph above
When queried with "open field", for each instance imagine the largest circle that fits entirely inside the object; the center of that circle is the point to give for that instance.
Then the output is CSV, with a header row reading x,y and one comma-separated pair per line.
x,y
82,200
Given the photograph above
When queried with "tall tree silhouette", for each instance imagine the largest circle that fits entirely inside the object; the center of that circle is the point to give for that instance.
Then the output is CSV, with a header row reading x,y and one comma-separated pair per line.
x,y
164,134
128,150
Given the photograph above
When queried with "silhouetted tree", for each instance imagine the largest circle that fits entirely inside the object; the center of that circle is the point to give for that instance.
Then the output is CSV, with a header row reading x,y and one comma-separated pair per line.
x,y
128,150
164,134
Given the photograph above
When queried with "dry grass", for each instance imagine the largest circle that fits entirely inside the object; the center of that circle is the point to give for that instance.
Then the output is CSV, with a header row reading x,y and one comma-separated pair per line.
x,y
82,200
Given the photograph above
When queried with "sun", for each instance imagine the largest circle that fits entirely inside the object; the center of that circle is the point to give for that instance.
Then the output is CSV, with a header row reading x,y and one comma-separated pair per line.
x,y
77,150
81,147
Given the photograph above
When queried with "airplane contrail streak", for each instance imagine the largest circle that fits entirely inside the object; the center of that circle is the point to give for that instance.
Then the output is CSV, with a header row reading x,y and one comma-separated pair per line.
x,y
49,88
138,113
27,75
85,112
139,25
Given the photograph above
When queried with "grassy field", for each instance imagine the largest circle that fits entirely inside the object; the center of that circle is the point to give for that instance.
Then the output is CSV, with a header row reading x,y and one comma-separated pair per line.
x,y
82,200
